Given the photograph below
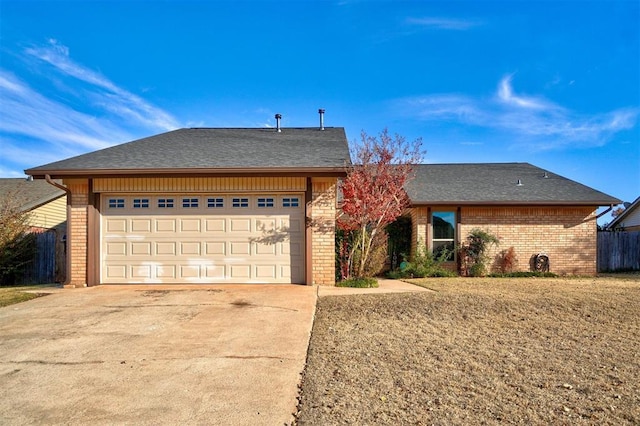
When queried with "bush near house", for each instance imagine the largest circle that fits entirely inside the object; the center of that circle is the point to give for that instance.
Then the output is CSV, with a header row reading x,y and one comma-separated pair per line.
x,y
17,245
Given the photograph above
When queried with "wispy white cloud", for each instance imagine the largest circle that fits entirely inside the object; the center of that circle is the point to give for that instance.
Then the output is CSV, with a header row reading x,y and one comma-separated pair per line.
x,y
444,23
114,98
60,108
28,113
505,94
529,120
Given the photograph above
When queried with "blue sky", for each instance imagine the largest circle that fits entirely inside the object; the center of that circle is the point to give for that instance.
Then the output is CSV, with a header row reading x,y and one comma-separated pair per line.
x,y
556,84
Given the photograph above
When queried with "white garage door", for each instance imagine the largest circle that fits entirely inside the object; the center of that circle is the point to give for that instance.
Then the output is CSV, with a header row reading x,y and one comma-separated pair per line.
x,y
195,238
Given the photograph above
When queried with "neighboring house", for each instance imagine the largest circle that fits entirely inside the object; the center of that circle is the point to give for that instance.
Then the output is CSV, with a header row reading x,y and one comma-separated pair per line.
x,y
528,208
259,205
628,220
46,206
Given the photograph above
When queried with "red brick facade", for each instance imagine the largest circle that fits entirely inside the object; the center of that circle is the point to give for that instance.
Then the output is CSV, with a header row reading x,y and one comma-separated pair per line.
x,y
566,234
323,216
77,233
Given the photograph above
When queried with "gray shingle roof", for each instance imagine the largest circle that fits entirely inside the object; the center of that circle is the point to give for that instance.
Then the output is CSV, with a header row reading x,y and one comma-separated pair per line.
x,y
496,183
30,194
207,149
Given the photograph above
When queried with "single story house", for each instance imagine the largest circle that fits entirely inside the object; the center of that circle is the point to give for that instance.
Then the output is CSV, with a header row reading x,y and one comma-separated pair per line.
x,y
528,208
223,205
628,220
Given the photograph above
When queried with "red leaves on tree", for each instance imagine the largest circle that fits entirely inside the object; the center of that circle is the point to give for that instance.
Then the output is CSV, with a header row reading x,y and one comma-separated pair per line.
x,y
373,191
373,195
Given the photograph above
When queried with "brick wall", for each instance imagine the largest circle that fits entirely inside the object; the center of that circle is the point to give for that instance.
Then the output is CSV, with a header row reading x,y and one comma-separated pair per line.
x,y
323,215
419,224
77,233
566,234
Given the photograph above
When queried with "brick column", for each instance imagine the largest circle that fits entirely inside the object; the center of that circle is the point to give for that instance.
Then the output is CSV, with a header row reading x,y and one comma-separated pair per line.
x,y
77,232
419,222
323,234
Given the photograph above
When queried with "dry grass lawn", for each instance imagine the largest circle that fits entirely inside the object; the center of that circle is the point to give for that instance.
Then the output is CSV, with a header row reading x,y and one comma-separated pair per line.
x,y
478,351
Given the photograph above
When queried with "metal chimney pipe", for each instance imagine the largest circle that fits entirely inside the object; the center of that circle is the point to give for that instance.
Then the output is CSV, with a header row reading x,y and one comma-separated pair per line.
x,y
321,112
278,117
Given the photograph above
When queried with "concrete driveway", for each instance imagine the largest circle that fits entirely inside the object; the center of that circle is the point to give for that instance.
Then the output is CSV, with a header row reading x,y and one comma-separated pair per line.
x,y
155,355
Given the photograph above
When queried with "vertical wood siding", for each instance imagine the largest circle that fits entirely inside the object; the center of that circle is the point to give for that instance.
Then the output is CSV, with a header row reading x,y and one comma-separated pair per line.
x,y
42,269
199,184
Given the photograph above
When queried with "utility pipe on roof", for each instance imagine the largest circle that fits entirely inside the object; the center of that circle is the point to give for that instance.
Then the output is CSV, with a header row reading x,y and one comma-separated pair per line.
x,y
321,112
278,117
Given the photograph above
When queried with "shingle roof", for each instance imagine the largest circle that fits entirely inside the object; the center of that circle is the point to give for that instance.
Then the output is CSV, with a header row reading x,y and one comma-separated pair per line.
x,y
211,149
497,183
30,194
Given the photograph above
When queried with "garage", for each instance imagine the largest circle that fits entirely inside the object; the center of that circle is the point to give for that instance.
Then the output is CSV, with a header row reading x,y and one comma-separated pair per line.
x,y
204,205
202,238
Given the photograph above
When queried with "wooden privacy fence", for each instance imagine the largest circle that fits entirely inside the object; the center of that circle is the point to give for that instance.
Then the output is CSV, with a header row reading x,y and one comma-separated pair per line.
x,y
618,251
42,269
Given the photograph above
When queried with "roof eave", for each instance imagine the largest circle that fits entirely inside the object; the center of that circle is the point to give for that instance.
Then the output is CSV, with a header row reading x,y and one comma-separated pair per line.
x,y
191,172
514,203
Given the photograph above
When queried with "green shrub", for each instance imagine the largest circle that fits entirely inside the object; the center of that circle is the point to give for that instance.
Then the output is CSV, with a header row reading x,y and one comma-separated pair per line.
x,y
423,264
472,252
358,283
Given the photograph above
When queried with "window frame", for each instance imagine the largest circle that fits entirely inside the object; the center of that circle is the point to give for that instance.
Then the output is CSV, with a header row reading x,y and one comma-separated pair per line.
x,y
436,243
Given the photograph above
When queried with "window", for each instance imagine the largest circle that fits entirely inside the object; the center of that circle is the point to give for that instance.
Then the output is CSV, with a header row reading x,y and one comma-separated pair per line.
x,y
140,203
240,202
215,203
116,203
444,235
265,202
165,203
290,202
189,203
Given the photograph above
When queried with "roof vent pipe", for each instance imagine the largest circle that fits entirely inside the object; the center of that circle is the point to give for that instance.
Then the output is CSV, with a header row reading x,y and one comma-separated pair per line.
x,y
519,183
278,117
321,112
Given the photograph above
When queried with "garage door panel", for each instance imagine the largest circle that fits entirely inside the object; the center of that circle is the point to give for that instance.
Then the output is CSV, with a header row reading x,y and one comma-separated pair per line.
x,y
265,249
116,248
141,225
169,243
116,272
191,248
141,248
116,225
140,271
190,225
238,248
215,248
240,225
266,272
189,271
215,225
166,272
266,225
166,225
165,248
217,272
241,272
292,225
292,249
